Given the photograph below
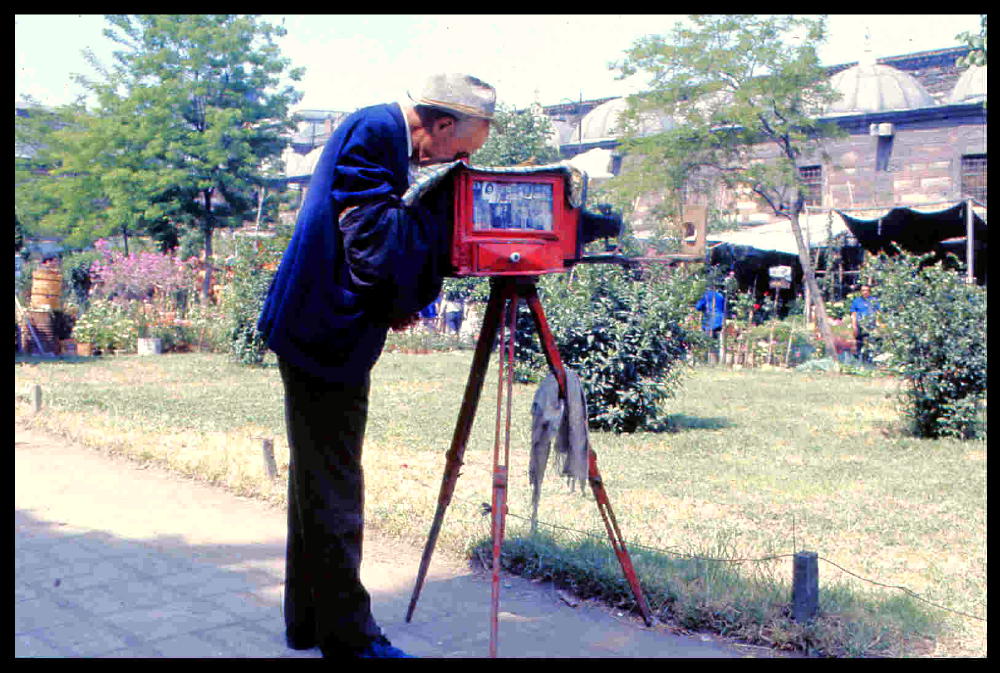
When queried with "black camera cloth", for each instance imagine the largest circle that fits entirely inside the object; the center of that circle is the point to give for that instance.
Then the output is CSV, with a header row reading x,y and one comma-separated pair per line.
x,y
396,254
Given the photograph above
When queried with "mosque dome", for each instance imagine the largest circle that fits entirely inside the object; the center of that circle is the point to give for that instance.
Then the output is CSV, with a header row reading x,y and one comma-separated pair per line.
x,y
970,87
604,121
873,87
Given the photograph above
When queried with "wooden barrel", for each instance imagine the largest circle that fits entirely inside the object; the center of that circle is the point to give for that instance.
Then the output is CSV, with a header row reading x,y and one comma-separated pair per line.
x,y
46,289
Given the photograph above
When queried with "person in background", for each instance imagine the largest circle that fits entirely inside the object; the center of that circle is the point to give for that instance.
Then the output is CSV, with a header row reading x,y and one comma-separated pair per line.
x,y
712,306
429,314
863,310
453,313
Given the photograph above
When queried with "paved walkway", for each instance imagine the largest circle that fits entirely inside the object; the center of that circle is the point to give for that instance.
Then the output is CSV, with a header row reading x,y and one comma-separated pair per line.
x,y
115,560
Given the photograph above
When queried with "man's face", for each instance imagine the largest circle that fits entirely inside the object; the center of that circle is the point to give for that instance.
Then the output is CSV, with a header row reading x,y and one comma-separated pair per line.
x,y
447,140
866,291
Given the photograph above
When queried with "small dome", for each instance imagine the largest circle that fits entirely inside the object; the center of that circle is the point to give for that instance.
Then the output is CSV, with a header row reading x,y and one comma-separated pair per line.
x,y
604,121
872,87
970,87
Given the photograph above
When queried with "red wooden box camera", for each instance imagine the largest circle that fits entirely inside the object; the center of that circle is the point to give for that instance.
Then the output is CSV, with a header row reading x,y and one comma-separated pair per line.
x,y
511,224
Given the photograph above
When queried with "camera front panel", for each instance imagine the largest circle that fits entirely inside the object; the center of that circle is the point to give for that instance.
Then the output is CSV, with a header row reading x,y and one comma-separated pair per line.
x,y
512,224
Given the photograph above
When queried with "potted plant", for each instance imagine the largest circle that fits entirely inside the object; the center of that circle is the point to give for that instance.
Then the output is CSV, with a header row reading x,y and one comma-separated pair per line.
x,y
85,331
107,326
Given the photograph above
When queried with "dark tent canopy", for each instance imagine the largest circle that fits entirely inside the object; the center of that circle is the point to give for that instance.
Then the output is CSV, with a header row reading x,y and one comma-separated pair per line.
x,y
919,233
751,268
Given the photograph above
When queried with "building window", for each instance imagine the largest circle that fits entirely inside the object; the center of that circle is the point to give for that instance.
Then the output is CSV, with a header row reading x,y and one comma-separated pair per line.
x,y
974,176
812,178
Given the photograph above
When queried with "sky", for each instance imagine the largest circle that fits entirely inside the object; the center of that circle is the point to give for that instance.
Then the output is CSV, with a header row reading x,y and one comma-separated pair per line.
x,y
357,60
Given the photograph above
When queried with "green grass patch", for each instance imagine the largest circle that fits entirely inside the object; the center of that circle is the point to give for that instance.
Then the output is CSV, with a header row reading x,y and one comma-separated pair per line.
x,y
760,464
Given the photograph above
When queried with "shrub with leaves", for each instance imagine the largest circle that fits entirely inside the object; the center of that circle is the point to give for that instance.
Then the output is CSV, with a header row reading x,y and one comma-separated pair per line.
x,y
250,274
77,278
932,328
107,325
622,332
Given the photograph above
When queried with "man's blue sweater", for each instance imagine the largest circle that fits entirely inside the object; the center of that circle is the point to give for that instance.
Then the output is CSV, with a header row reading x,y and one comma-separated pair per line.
x,y
344,278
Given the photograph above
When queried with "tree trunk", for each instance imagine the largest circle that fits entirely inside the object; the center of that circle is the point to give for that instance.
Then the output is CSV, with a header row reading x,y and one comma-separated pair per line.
x,y
125,238
207,228
809,277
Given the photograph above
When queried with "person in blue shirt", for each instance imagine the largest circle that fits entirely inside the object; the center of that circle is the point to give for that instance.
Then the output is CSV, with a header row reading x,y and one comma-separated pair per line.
x,y
359,262
713,308
863,310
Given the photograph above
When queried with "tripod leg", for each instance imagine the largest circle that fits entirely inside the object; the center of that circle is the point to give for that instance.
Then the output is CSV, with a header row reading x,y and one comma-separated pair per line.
x,y
453,459
508,330
615,535
596,483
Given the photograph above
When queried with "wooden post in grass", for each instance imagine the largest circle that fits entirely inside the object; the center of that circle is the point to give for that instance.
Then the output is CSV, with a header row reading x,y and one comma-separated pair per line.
x,y
267,448
36,398
805,586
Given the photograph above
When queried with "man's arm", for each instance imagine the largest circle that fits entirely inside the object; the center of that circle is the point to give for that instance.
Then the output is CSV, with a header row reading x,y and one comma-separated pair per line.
x,y
395,255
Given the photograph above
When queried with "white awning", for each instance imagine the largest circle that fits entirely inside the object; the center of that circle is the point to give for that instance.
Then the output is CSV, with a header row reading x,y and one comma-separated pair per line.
x,y
817,229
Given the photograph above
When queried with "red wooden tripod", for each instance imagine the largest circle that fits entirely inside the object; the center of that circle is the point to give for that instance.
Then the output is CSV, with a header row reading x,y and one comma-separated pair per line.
x,y
501,313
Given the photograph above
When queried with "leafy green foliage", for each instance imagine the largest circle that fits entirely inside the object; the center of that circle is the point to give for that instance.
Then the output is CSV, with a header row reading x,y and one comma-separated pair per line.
x,y
76,269
932,326
517,136
34,128
621,332
108,325
251,271
977,42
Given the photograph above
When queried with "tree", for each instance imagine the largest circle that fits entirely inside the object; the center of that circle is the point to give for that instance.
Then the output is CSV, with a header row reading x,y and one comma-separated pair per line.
x,y
977,43
34,127
188,115
745,92
517,136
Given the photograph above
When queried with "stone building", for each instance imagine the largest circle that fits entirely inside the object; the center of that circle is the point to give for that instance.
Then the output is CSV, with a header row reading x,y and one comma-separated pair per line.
x,y
915,138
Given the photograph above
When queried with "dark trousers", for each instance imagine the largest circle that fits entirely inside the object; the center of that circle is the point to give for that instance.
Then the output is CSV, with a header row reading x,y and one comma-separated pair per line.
x,y
859,346
325,602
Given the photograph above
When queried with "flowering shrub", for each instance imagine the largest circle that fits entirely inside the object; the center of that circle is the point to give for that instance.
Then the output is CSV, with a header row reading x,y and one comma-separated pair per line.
x,y
838,310
205,327
141,275
249,273
107,325
146,285
150,283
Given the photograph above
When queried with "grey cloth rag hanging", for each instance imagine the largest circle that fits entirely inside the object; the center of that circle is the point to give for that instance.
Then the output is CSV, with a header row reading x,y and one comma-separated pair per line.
x,y
565,423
